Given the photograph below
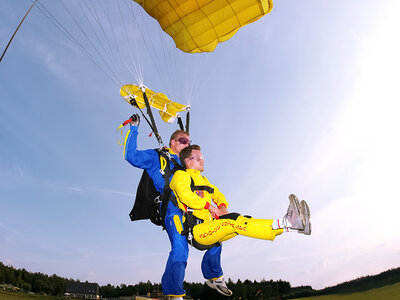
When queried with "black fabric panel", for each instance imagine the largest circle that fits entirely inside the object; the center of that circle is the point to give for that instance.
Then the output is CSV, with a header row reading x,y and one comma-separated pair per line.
x,y
231,216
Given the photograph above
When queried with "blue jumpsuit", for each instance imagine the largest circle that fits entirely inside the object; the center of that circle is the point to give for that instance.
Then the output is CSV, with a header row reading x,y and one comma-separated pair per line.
x,y
172,279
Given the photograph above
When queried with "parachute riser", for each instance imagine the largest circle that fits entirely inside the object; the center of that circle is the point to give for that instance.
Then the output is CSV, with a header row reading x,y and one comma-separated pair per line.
x,y
180,123
133,102
187,121
150,114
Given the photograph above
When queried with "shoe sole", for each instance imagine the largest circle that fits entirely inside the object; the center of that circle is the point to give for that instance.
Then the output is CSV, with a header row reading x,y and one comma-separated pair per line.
x,y
305,210
294,201
219,290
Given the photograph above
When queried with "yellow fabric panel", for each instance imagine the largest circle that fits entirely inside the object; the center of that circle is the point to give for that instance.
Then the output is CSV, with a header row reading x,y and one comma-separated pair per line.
x,y
168,109
199,25
178,224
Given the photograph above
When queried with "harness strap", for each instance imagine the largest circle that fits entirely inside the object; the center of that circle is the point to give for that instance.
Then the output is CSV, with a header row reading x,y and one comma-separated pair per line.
x,y
194,187
166,171
191,220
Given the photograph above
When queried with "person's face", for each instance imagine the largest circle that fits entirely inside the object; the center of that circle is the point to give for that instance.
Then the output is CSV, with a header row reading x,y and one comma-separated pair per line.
x,y
195,161
180,142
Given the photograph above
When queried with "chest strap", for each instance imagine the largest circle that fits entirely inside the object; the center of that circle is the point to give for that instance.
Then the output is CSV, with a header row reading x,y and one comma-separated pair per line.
x,y
194,187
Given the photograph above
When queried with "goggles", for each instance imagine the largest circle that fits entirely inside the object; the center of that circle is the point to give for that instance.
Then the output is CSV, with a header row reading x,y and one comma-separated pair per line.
x,y
183,141
197,157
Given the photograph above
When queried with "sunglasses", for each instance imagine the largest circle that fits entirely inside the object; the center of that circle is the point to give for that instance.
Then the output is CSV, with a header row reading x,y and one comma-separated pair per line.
x,y
197,158
184,141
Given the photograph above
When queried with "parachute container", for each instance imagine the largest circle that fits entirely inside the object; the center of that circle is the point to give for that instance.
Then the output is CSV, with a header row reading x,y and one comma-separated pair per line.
x,y
168,109
199,25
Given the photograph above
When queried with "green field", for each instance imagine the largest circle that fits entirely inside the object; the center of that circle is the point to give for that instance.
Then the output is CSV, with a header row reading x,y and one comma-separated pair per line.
x,y
6,295
390,292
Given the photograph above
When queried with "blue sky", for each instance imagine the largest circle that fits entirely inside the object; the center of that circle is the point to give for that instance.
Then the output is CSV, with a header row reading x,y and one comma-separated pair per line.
x,y
303,101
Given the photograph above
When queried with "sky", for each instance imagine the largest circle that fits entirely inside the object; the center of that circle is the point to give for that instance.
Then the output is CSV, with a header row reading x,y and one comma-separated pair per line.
x,y
303,101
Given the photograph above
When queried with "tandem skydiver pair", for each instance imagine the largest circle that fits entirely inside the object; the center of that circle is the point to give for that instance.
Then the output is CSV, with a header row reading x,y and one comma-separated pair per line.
x,y
194,195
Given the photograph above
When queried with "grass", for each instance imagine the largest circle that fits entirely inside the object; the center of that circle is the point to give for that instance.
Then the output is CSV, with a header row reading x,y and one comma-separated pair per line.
x,y
390,292
8,295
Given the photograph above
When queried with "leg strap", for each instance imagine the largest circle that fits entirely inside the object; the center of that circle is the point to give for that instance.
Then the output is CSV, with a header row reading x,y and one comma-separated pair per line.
x,y
188,224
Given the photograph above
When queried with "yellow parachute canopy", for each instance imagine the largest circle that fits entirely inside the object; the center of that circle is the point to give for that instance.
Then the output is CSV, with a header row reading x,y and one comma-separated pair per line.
x,y
199,25
168,109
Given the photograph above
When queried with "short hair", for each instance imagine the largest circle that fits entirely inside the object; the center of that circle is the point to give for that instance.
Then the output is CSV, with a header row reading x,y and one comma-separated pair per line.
x,y
186,153
176,132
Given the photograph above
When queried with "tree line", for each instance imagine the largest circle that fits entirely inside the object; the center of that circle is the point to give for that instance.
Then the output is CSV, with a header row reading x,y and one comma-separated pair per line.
x,y
54,285
246,290
33,282
364,283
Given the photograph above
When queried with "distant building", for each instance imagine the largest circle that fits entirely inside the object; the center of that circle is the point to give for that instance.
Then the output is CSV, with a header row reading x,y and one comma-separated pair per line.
x,y
83,290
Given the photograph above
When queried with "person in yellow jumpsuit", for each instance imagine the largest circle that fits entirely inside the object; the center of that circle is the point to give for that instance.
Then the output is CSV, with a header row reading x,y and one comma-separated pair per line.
x,y
194,192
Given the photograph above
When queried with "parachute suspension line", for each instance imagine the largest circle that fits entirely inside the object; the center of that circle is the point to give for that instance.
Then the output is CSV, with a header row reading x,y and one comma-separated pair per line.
x,y
113,44
15,32
136,59
137,74
149,51
192,80
96,18
187,93
60,27
168,63
197,84
90,41
106,12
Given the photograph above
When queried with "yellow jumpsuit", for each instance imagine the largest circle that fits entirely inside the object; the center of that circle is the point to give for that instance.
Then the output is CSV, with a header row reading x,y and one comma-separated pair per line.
x,y
214,230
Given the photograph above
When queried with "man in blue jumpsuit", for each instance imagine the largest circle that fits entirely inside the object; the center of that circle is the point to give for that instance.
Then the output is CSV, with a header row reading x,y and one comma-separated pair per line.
x,y
172,279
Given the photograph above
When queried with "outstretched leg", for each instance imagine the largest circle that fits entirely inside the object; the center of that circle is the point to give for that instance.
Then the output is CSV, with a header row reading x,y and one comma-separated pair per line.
x,y
297,218
224,229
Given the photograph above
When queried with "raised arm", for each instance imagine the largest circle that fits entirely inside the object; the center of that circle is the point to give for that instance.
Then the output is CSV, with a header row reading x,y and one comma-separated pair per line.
x,y
144,159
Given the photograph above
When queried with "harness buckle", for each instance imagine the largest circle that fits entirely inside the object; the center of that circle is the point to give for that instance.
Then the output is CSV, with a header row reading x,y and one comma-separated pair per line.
x,y
162,172
157,199
166,152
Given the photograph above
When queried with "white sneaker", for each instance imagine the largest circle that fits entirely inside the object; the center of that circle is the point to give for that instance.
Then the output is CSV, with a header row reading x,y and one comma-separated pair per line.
x,y
220,286
293,218
305,211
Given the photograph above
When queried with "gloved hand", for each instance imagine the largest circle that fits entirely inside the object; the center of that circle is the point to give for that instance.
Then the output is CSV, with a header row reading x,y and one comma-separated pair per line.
x,y
135,120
